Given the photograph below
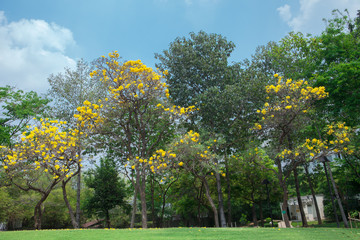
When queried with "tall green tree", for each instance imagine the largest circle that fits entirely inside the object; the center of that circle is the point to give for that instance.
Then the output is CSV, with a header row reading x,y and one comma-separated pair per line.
x,y
109,189
339,72
250,171
199,74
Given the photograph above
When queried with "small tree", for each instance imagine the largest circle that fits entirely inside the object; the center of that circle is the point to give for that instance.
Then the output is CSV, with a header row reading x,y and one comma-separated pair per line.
x,y
46,152
200,74
109,189
188,154
250,174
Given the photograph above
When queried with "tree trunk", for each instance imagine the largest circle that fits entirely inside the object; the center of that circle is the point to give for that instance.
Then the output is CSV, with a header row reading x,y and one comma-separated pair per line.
x,y
38,212
301,207
107,216
153,216
143,202
331,196
37,216
261,214
199,203
162,210
71,212
207,192
228,194
284,207
133,212
338,198
78,192
282,183
221,202
143,209
253,212
44,195
313,194
164,203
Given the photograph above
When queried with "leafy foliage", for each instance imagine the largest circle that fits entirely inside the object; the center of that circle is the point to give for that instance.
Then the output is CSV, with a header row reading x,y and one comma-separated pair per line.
x,y
18,109
109,189
340,68
196,64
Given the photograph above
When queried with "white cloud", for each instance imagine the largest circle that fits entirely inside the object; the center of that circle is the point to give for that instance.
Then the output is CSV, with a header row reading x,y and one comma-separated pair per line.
x,y
312,12
285,12
30,51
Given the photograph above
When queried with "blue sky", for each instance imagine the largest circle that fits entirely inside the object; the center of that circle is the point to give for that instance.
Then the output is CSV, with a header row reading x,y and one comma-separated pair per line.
x,y
40,37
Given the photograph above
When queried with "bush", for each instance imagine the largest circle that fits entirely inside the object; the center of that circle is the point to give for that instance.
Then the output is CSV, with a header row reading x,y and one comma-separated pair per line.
x,y
243,220
355,214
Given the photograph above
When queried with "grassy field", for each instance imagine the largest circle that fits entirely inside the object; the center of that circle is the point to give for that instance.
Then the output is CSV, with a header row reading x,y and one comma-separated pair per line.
x,y
186,233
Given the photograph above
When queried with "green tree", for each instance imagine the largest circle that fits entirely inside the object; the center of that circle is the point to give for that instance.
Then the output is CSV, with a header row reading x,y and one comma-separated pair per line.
x,y
18,110
109,189
17,205
187,199
199,74
295,56
339,70
251,169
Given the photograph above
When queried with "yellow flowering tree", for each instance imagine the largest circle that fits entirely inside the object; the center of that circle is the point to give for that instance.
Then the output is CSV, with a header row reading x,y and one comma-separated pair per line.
x,y
188,154
133,119
282,117
46,152
336,140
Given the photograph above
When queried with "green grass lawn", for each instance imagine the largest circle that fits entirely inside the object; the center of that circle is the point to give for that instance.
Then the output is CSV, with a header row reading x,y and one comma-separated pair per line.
x,y
186,233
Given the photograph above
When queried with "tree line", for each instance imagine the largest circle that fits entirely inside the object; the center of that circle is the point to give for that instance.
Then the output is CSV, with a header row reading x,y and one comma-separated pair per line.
x,y
197,142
